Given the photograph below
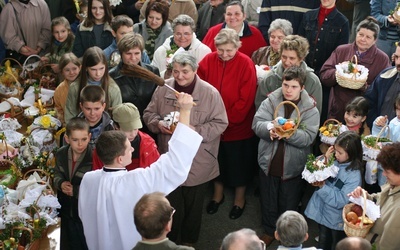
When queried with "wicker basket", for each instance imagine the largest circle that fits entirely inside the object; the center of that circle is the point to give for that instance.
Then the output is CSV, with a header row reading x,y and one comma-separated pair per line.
x,y
395,16
356,230
336,126
279,128
15,111
18,90
352,82
7,164
372,152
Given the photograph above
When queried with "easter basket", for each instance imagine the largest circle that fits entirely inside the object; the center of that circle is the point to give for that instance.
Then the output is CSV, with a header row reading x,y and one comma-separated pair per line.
x,y
396,13
10,85
329,131
9,172
351,76
281,129
14,111
353,230
317,169
372,145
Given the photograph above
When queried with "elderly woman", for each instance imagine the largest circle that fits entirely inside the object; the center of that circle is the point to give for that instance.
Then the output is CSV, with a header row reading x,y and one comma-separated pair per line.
x,y
155,29
183,27
269,55
367,54
234,76
384,233
25,28
293,51
135,90
235,19
209,119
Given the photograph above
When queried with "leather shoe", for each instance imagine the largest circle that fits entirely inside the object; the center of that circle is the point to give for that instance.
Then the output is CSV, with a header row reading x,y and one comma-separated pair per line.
x,y
267,239
213,206
236,212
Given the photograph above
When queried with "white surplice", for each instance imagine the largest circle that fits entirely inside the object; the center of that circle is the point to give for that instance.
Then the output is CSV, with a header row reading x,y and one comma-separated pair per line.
x,y
107,199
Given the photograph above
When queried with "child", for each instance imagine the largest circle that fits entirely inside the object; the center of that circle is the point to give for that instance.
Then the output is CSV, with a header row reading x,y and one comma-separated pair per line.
x,y
394,130
72,162
95,30
326,205
70,66
356,114
282,159
81,15
127,118
95,72
61,42
121,25
92,103
107,197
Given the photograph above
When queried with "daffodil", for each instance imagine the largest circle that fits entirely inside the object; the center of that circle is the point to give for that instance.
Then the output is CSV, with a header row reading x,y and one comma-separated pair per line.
x,y
326,133
322,129
45,121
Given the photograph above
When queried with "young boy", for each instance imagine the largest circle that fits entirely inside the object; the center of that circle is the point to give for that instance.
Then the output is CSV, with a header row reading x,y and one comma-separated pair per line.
x,y
127,118
107,197
72,162
92,103
282,159
121,25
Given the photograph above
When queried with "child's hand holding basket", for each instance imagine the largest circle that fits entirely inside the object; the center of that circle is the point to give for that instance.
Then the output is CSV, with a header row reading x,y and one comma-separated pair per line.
x,y
372,145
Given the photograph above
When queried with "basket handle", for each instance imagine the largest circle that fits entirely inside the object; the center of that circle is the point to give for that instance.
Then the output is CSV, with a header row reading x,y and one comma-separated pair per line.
x,y
380,133
355,59
23,229
295,107
332,120
12,59
364,193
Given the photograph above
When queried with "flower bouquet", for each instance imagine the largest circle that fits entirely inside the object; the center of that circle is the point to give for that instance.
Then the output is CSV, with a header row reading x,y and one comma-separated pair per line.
x,y
318,169
351,75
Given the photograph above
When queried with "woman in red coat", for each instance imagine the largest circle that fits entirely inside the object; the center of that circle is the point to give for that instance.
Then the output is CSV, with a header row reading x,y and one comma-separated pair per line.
x,y
250,36
233,74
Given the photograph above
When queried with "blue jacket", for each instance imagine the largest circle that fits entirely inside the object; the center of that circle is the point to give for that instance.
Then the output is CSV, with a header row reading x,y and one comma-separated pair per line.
x,y
326,205
376,93
380,10
334,32
84,39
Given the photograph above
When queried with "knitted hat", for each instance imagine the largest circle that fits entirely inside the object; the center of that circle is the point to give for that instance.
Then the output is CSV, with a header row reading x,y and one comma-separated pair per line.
x,y
127,116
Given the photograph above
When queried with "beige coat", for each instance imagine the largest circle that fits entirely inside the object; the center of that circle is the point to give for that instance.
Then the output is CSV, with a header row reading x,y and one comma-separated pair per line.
x,y
387,227
208,118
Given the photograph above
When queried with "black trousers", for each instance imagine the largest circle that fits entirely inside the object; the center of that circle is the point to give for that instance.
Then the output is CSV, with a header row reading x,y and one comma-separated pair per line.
x,y
72,236
328,238
276,197
188,203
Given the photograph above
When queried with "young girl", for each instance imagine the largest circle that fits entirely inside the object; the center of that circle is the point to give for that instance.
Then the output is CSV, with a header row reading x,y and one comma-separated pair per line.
x,y
326,205
356,114
95,30
61,42
94,72
70,66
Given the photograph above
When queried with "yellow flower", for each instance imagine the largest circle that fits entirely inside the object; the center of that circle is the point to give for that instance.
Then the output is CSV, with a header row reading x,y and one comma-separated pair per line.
x,y
45,121
326,133
322,129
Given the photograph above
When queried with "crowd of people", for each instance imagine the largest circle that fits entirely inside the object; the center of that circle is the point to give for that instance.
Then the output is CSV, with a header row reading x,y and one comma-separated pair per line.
x,y
231,68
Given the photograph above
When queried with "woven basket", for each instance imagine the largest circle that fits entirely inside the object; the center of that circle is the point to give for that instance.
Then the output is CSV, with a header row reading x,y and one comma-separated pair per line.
x,y
6,164
330,139
279,128
372,152
352,82
41,173
18,90
16,112
356,230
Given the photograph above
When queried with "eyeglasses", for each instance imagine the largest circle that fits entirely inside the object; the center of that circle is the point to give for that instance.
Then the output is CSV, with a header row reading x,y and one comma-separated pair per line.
x,y
263,246
186,34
